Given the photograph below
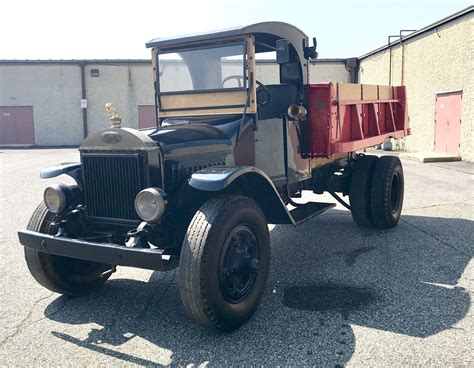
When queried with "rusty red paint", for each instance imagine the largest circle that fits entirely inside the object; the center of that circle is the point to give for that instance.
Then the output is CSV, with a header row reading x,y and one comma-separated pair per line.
x,y
345,126
16,125
448,122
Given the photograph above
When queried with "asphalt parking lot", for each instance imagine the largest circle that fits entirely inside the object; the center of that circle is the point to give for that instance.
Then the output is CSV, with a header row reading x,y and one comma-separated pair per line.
x,y
337,294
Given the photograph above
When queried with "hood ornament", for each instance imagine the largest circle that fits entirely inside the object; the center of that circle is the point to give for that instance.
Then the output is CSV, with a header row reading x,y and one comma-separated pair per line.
x,y
113,115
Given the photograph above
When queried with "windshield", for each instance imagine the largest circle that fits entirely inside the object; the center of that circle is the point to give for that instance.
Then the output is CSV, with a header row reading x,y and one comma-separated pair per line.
x,y
203,69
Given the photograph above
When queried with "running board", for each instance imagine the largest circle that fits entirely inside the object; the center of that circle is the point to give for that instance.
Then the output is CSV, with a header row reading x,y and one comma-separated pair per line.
x,y
305,211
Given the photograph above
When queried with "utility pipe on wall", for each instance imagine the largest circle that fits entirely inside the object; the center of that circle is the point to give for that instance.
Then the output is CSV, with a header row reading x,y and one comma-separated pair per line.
x,y
390,59
402,77
400,37
82,65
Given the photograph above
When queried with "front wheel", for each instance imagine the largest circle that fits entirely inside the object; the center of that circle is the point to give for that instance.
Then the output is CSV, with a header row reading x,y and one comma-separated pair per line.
x,y
224,262
68,276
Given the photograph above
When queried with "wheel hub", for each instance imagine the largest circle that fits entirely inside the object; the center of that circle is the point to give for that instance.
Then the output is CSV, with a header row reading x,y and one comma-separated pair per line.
x,y
395,193
238,265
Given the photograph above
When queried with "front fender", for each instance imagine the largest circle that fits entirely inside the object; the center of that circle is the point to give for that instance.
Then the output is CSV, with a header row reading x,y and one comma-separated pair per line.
x,y
253,182
72,169
213,179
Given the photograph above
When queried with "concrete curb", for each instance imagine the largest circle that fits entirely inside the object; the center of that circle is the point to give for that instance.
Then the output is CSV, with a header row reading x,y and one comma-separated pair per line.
x,y
426,157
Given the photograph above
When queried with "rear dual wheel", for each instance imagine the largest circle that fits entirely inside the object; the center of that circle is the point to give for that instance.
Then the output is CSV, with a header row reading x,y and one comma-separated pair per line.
x,y
360,189
387,192
376,191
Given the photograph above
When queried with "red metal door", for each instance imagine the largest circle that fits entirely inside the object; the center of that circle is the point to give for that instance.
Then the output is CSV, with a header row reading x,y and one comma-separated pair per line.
x,y
16,125
448,122
24,125
7,125
146,116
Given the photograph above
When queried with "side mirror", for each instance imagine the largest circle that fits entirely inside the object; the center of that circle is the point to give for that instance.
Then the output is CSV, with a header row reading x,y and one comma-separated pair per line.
x,y
310,51
282,51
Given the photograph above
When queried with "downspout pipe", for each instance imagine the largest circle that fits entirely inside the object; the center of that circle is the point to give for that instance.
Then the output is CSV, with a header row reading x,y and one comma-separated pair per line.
x,y
390,58
82,65
352,66
403,53
400,38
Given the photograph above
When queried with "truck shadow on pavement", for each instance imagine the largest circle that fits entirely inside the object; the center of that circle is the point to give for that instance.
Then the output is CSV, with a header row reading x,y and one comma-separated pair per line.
x,y
326,275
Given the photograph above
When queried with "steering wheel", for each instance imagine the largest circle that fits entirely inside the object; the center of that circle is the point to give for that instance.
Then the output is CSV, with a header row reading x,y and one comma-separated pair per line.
x,y
264,90
239,79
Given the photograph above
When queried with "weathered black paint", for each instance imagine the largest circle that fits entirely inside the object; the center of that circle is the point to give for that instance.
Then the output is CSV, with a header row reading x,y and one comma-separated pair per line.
x,y
190,145
72,169
108,253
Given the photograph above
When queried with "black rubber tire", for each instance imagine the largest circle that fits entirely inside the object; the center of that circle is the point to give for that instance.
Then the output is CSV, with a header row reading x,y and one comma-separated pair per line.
x,y
62,275
201,295
387,192
360,189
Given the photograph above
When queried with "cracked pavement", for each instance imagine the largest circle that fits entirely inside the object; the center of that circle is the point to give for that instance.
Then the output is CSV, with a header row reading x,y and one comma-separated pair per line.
x,y
337,294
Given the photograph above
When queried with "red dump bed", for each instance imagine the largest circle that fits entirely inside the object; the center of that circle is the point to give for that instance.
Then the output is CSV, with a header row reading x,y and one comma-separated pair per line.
x,y
347,117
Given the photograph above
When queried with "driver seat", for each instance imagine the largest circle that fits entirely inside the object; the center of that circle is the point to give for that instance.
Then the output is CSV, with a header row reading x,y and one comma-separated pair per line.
x,y
282,96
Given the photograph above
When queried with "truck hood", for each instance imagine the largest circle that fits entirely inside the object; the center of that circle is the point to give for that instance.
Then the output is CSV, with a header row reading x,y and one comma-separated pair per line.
x,y
196,135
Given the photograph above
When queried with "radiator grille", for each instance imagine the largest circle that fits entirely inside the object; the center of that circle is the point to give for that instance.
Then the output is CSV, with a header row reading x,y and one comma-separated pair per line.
x,y
111,183
177,172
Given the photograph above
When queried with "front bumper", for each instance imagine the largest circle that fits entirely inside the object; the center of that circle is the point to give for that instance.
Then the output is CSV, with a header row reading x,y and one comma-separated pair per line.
x,y
108,253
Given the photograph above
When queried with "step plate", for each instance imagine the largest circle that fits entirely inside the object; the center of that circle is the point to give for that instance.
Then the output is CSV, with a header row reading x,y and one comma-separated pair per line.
x,y
308,210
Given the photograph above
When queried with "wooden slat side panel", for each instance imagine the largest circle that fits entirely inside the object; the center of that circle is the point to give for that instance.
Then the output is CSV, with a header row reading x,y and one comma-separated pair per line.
x,y
385,92
370,92
349,91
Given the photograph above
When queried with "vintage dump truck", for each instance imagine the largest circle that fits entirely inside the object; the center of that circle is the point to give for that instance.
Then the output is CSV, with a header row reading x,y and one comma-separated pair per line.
x,y
228,156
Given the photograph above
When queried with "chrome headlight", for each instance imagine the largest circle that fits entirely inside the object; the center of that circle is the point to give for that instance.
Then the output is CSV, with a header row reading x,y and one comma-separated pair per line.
x,y
55,197
150,204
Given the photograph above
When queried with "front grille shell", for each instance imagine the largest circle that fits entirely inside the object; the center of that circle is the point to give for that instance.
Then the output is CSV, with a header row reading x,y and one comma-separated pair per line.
x,y
111,183
117,163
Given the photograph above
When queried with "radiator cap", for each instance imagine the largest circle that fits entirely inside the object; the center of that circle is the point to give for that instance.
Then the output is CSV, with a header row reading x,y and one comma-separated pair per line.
x,y
113,115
